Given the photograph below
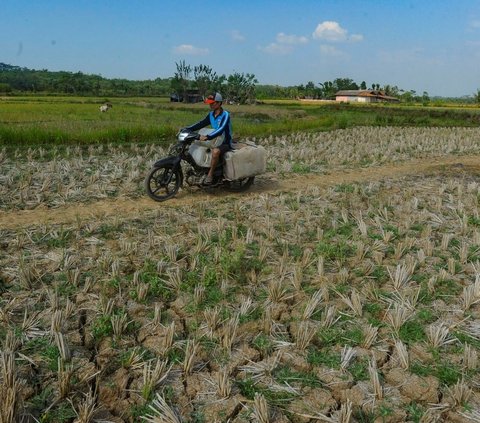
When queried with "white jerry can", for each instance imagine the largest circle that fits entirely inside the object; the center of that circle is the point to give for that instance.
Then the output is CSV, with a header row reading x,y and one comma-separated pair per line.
x,y
202,155
244,161
201,150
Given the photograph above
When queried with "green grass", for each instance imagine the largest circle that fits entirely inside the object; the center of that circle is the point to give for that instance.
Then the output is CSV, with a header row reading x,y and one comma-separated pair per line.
x,y
446,372
102,327
263,343
415,412
57,121
412,331
324,357
286,375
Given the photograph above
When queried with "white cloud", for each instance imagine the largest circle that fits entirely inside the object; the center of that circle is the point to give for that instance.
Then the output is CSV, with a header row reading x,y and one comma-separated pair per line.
x,y
329,50
284,44
190,50
333,32
277,49
330,31
237,35
291,39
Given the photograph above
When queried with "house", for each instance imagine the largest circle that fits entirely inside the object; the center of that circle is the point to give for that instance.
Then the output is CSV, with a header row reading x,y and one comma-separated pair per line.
x,y
364,96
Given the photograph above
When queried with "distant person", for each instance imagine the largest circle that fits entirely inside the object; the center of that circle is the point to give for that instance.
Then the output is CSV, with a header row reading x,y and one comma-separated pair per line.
x,y
219,120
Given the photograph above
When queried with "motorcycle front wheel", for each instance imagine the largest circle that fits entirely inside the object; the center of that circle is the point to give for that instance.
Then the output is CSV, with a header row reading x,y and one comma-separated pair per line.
x,y
163,182
240,184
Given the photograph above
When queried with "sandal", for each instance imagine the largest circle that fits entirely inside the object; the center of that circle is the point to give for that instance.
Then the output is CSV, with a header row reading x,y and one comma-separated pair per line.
x,y
207,180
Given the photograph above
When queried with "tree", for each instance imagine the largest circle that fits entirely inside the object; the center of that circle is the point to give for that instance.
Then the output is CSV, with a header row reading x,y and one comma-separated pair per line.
x,y
328,89
5,88
363,85
310,89
476,96
392,91
409,96
206,79
240,87
345,84
425,98
181,80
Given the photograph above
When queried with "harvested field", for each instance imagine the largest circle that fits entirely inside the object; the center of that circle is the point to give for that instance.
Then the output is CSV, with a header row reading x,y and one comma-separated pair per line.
x,y
345,287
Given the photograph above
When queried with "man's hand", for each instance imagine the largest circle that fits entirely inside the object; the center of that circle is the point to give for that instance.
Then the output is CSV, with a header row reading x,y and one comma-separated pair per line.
x,y
203,138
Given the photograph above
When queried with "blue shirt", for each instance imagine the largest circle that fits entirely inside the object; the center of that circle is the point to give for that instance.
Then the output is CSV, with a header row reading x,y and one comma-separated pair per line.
x,y
220,124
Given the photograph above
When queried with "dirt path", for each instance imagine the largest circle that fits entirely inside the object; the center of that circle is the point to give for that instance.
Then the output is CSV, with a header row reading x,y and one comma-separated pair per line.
x,y
125,207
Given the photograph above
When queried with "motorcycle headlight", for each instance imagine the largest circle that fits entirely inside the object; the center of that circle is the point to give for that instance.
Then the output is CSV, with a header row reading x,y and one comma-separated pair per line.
x,y
182,135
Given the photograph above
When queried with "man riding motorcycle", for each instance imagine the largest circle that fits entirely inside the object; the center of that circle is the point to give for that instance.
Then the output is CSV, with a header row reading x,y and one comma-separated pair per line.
x,y
219,120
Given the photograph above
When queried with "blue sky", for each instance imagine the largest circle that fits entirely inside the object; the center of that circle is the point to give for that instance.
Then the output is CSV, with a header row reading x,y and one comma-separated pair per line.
x,y
418,45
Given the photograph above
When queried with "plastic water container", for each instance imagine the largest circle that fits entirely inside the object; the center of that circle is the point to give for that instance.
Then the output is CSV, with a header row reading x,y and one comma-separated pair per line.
x,y
248,160
202,155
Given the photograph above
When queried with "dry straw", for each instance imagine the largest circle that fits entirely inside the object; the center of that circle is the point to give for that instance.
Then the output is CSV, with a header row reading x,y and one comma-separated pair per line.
x,y
401,355
370,334
229,332
312,304
224,386
329,317
438,335
262,370
375,379
306,330
355,302
342,415
211,321
64,376
134,359
162,412
86,409
190,354
260,409
459,394
470,357
154,373
169,335
348,354
119,324
469,297
157,314
277,292
11,342
397,315
9,388
400,278
63,347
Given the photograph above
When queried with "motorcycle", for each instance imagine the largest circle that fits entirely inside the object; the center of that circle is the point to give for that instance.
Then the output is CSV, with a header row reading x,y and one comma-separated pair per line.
x,y
188,161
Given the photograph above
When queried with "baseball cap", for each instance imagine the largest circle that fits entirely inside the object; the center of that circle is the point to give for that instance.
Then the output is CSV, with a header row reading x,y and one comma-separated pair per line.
x,y
213,98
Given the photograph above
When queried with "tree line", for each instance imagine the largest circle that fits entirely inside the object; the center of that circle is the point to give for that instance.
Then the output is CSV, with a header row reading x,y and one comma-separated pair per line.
x,y
237,87
199,79
326,90
15,79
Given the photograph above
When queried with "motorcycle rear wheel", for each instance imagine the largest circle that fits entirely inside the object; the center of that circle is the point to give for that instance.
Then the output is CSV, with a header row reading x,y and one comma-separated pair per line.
x,y
163,182
240,185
